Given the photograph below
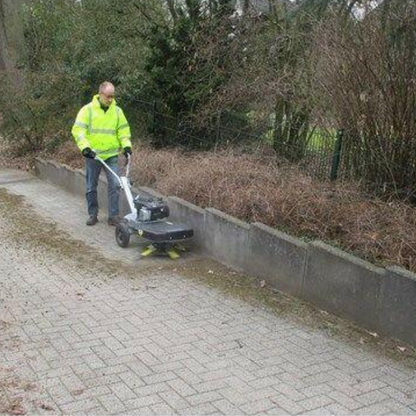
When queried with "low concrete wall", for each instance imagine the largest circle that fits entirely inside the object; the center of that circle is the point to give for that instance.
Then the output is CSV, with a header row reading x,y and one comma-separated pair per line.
x,y
226,239
342,284
277,258
397,305
382,300
53,172
183,211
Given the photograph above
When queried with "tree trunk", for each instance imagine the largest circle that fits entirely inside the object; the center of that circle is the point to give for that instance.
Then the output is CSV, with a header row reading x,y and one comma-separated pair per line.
x,y
246,5
172,9
12,43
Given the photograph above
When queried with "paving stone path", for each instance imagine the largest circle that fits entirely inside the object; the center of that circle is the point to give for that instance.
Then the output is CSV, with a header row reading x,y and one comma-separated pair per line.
x,y
76,341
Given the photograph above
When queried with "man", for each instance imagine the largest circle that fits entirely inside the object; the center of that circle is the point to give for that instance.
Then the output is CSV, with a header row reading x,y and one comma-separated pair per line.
x,y
101,129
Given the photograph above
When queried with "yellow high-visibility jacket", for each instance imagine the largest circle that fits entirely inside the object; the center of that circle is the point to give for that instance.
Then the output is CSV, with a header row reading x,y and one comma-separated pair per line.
x,y
104,132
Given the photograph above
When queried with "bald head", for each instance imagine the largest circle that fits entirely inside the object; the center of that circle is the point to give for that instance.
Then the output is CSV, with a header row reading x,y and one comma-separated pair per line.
x,y
106,92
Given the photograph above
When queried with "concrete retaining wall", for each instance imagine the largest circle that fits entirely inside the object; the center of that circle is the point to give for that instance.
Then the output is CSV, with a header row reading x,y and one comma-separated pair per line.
x,y
227,239
382,300
277,258
342,284
183,211
397,305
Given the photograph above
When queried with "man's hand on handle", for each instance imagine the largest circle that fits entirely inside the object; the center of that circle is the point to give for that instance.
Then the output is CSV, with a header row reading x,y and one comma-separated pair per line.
x,y
88,153
127,151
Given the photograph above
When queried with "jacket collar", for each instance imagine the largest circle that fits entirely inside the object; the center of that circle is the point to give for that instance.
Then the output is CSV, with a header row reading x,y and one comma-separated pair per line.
x,y
96,102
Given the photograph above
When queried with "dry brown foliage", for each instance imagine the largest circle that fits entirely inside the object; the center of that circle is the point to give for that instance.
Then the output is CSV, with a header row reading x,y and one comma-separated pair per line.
x,y
69,154
258,187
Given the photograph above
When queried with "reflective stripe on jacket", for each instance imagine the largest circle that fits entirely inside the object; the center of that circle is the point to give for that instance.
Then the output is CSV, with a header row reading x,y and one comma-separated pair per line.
x,y
106,132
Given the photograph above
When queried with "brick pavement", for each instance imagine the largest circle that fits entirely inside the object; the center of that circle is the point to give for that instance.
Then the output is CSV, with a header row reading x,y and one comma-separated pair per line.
x,y
76,342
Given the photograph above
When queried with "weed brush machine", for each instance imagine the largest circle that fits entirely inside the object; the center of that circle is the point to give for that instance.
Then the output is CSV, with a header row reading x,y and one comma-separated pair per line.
x,y
148,219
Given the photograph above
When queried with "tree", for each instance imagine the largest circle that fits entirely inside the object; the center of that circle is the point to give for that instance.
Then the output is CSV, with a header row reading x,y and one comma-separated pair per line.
x,y
12,44
187,62
366,76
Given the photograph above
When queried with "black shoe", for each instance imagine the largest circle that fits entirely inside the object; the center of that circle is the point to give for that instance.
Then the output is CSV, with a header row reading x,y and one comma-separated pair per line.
x,y
114,220
92,220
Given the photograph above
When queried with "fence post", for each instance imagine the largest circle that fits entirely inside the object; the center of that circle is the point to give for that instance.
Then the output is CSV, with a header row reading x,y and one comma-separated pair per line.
x,y
218,127
336,157
154,117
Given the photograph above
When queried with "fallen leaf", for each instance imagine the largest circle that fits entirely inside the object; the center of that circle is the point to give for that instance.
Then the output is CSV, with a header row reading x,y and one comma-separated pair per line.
x,y
46,407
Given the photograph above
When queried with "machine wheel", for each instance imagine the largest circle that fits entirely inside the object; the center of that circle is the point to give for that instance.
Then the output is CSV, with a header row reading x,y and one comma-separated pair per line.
x,y
122,235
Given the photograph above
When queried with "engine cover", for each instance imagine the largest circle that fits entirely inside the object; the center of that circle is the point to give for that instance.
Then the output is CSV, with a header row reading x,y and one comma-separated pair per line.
x,y
150,209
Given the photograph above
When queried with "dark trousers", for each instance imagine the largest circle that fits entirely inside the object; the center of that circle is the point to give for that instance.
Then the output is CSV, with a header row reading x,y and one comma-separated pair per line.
x,y
93,169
